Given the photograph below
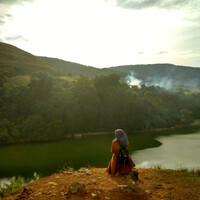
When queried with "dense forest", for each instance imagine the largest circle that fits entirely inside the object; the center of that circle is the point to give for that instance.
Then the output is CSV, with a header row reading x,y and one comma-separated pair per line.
x,y
48,107
40,101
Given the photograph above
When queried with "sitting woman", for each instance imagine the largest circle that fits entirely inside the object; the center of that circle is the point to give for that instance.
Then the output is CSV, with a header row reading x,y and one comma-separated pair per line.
x,y
115,166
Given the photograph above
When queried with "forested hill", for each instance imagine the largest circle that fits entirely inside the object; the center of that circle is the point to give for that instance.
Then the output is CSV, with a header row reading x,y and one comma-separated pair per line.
x,y
78,69
14,61
42,102
163,75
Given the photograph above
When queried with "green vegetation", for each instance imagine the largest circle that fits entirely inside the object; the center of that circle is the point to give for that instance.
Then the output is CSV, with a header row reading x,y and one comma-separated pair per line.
x,y
48,108
15,183
9,188
41,101
14,62
78,69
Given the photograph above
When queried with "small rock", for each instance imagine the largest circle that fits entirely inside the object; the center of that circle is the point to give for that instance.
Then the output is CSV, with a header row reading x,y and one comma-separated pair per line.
x,y
94,195
38,193
148,191
65,195
125,188
84,171
93,181
77,188
52,183
107,198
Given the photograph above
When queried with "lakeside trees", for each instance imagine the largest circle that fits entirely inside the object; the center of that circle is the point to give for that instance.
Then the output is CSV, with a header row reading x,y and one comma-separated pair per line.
x,y
48,107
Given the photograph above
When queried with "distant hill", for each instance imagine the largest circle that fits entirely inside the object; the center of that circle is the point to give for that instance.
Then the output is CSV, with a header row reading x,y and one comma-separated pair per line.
x,y
164,75
78,69
14,61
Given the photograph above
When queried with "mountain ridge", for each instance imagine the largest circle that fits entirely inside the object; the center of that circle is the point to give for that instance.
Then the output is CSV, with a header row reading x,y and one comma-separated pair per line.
x,y
14,61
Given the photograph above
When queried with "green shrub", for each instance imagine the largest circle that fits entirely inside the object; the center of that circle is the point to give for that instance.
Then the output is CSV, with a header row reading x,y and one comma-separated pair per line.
x,y
16,183
8,188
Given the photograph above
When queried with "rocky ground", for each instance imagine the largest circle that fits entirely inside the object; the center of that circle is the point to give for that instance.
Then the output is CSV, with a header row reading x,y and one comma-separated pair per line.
x,y
95,183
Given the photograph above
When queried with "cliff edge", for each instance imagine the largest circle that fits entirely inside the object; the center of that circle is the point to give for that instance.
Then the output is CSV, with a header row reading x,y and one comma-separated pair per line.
x,y
95,183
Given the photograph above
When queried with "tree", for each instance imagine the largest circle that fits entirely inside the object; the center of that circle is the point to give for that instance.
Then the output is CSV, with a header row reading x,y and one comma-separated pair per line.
x,y
41,85
34,128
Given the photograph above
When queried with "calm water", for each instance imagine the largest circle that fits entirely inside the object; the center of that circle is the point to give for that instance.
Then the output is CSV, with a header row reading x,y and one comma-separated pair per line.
x,y
146,150
48,158
176,152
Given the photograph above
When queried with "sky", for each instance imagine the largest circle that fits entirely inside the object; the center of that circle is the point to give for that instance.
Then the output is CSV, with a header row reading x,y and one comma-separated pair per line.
x,y
105,33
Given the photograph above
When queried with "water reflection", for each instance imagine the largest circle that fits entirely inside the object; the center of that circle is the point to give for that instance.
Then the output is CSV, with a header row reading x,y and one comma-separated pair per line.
x,y
176,152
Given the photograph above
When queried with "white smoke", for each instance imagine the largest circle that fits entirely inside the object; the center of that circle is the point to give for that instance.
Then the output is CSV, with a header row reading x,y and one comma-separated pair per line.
x,y
132,80
166,82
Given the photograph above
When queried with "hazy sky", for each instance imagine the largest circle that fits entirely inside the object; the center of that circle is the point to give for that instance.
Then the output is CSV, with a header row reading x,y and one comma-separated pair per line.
x,y
104,33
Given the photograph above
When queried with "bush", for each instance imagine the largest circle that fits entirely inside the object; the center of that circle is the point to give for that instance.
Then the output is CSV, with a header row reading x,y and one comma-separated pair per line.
x,y
9,188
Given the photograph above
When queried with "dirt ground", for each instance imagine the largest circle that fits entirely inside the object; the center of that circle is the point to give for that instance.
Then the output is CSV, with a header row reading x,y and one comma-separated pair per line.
x,y
153,184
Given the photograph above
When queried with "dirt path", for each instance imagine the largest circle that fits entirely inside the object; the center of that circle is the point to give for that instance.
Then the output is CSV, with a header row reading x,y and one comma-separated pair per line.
x,y
97,184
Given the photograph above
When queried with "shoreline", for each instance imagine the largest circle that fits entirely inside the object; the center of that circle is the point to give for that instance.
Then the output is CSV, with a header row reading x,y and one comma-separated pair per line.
x,y
194,124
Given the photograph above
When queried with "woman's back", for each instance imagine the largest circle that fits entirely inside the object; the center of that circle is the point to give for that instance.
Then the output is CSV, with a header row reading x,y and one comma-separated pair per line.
x,y
114,165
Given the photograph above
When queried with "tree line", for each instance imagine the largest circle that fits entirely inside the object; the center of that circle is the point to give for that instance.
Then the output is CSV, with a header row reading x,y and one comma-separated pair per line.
x,y
49,108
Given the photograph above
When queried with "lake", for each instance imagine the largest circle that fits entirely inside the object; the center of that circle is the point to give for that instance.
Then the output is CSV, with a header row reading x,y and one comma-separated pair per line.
x,y
146,149
176,152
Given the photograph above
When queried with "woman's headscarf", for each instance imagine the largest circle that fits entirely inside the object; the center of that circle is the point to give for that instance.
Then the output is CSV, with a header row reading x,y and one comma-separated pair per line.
x,y
121,137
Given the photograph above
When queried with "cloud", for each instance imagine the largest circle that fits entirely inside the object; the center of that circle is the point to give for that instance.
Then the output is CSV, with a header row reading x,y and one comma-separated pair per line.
x,y
166,4
6,5
2,22
16,37
4,13
163,52
4,17
141,52
13,2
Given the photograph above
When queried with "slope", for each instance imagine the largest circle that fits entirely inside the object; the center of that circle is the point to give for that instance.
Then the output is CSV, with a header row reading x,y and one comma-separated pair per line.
x,y
79,69
14,61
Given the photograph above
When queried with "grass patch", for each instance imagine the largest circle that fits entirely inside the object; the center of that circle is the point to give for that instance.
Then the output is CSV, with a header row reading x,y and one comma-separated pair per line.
x,y
188,175
15,183
156,166
9,188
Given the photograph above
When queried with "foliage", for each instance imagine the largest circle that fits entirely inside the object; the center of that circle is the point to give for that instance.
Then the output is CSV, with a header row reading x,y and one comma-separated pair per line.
x,y
15,183
44,98
47,108
8,188
78,69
